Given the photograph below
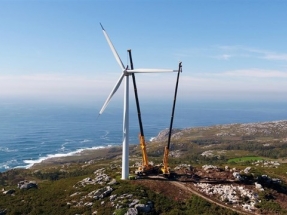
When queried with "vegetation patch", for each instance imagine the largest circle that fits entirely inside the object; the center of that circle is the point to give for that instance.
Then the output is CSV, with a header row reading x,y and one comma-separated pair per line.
x,y
245,159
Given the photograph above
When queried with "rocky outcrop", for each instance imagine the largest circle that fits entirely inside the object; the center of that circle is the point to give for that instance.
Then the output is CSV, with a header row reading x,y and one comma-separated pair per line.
x,y
100,193
105,195
132,211
27,185
231,130
270,164
230,194
210,167
100,178
163,135
144,208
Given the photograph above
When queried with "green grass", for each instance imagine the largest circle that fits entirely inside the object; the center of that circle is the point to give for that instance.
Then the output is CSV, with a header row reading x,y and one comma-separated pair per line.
x,y
245,159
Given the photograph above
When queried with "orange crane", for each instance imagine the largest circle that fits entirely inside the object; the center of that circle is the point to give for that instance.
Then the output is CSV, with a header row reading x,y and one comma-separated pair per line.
x,y
145,167
165,168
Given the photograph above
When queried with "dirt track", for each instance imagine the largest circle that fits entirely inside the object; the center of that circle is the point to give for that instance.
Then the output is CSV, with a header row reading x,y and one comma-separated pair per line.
x,y
180,191
195,192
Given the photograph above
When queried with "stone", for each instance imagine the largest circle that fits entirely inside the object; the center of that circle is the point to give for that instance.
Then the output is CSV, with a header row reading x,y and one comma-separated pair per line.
x,y
113,197
112,182
101,193
88,204
237,176
132,211
27,185
143,208
133,203
75,194
247,169
8,192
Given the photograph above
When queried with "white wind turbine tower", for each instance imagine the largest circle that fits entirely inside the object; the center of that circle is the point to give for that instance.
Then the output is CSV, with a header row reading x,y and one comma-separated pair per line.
x,y
125,74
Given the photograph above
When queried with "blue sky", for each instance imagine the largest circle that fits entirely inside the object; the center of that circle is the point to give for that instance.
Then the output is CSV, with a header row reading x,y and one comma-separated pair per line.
x,y
56,51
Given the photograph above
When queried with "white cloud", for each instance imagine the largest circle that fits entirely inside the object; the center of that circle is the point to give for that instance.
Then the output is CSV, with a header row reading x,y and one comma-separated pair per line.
x,y
80,87
274,56
224,57
242,51
256,73
45,84
249,83
230,83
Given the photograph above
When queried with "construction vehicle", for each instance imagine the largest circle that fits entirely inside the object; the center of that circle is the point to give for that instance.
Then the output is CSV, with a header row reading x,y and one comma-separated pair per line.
x,y
165,168
146,167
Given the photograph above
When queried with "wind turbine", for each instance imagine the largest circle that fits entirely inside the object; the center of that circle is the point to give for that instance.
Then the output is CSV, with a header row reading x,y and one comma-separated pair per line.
x,y
125,74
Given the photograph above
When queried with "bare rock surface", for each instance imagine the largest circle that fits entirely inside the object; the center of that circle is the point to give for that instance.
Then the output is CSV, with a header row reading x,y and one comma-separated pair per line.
x,y
163,135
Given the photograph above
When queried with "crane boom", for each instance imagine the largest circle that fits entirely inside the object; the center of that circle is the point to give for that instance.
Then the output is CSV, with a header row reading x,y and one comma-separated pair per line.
x,y
145,164
165,168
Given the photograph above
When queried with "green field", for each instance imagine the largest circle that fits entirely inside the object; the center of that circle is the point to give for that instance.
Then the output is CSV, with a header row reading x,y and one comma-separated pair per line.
x,y
245,159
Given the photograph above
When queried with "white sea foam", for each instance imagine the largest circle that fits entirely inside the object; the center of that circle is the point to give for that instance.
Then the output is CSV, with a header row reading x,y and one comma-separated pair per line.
x,y
105,136
30,163
7,165
85,141
32,147
63,147
6,149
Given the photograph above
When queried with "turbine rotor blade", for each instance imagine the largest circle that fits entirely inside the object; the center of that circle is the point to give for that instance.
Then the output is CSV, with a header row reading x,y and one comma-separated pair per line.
x,y
150,70
118,59
112,93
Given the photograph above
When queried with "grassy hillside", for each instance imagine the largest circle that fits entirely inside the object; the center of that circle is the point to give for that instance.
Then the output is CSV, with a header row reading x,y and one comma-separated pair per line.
x,y
89,183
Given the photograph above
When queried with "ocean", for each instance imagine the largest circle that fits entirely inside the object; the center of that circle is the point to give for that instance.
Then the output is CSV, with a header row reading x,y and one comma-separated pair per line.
x,y
30,133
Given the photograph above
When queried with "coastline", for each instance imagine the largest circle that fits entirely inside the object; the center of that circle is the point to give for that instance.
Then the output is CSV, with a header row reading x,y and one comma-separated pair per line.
x,y
114,151
84,155
52,131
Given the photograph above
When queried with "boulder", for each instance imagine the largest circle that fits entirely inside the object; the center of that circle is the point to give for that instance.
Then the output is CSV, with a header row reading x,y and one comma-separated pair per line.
x,y
237,176
8,192
143,208
247,169
132,211
134,202
27,185
258,186
112,182
101,193
113,197
88,204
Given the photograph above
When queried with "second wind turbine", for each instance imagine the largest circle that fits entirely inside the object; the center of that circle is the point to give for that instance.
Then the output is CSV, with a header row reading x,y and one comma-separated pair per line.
x,y
125,74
